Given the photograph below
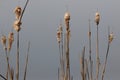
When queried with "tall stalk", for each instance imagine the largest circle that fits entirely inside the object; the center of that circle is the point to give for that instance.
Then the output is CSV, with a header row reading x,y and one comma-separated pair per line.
x,y
17,27
62,66
97,20
90,59
82,64
110,38
17,58
26,61
97,56
67,19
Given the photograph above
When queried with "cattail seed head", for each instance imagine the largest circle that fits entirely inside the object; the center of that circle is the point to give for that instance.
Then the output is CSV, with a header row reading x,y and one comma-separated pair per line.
x,y
58,36
10,40
18,11
67,16
3,41
97,18
17,25
111,37
67,19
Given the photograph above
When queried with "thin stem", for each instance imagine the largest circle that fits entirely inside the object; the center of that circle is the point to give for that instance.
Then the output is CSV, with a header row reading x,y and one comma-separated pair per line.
x,y
87,70
7,63
82,64
89,33
7,59
23,10
17,60
105,63
97,56
63,72
26,61
67,56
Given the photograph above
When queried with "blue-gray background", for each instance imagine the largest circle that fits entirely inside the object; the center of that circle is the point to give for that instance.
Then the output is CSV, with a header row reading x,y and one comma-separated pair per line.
x,y
39,25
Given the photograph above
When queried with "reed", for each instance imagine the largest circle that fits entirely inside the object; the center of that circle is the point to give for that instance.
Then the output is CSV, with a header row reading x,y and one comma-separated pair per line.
x,y
97,19
110,38
26,61
17,26
90,58
82,64
67,19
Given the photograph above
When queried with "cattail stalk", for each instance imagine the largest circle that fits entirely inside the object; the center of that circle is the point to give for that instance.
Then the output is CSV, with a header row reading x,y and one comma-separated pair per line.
x,y
26,61
19,24
97,20
82,64
67,19
97,56
17,58
90,59
87,70
62,58
110,38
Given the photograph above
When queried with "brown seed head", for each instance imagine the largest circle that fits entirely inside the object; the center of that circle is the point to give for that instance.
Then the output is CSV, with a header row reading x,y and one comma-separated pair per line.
x,y
111,37
67,16
58,36
10,40
18,11
17,25
3,41
97,18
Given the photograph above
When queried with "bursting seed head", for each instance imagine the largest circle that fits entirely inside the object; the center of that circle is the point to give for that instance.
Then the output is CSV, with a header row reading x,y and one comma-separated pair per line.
x,y
67,16
111,37
17,25
97,18
18,11
66,19
3,41
10,40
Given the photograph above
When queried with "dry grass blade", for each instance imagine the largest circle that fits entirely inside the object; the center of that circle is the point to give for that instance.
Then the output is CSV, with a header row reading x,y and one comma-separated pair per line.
x,y
26,61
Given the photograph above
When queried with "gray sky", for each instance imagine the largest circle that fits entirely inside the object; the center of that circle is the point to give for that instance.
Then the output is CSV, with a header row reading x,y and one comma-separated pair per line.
x,y
39,25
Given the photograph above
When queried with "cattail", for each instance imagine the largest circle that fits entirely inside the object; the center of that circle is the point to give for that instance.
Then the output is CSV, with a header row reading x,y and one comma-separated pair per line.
x,y
3,41
67,19
17,25
18,12
97,18
10,40
58,36
111,37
